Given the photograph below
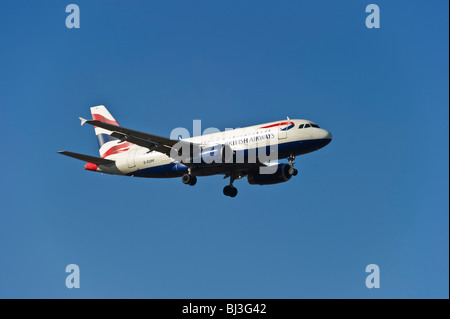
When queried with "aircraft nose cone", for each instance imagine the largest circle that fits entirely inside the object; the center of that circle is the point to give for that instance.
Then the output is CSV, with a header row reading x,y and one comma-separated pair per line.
x,y
325,138
325,135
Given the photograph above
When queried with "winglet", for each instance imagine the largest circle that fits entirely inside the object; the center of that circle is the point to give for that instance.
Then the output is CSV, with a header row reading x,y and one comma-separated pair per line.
x,y
82,121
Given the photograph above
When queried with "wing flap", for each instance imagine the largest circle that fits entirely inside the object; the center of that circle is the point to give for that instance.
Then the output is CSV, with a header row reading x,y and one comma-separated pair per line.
x,y
134,140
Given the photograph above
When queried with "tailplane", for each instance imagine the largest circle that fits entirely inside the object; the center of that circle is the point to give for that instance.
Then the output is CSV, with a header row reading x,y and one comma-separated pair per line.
x,y
87,158
92,162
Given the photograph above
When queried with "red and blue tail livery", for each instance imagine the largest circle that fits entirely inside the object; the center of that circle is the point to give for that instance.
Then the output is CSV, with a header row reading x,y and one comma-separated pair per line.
x,y
108,145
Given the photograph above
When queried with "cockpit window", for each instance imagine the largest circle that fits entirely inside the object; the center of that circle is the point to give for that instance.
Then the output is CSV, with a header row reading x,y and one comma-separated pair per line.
x,y
301,125
315,125
307,125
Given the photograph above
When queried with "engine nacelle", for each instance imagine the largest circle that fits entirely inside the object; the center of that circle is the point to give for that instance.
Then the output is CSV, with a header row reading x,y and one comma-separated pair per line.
x,y
281,175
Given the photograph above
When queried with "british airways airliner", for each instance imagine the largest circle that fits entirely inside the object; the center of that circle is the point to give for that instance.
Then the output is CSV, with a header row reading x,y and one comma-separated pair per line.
x,y
250,151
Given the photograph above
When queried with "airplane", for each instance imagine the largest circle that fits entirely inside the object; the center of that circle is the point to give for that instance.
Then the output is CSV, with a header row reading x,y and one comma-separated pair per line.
x,y
233,153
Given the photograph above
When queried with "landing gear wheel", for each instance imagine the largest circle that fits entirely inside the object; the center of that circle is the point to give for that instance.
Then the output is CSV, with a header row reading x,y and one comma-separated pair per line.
x,y
189,179
186,178
193,181
230,191
226,190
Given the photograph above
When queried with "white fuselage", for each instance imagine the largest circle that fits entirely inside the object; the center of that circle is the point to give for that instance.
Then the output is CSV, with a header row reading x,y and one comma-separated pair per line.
x,y
287,136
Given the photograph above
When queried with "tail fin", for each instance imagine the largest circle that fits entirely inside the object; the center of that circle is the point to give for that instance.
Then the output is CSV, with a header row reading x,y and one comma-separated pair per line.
x,y
107,144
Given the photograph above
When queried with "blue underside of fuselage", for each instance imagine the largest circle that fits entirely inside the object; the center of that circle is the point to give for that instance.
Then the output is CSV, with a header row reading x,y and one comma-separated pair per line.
x,y
284,150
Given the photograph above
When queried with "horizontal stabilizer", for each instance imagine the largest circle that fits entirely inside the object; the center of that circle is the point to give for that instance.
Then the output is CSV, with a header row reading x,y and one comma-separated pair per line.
x,y
87,158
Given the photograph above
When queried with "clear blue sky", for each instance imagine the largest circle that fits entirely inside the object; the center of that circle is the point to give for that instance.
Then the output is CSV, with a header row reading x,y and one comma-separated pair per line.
x,y
377,194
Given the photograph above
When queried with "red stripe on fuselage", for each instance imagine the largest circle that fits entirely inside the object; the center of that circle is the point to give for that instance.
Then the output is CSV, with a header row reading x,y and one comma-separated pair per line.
x,y
117,149
278,124
100,118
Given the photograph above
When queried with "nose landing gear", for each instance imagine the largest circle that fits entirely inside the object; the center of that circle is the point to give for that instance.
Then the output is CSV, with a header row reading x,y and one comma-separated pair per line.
x,y
292,171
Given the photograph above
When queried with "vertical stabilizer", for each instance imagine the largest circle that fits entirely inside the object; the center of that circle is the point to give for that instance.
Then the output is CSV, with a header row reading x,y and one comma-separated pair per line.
x,y
107,144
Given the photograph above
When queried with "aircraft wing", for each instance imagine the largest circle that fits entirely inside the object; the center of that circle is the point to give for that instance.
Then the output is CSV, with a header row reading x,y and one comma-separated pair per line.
x,y
150,141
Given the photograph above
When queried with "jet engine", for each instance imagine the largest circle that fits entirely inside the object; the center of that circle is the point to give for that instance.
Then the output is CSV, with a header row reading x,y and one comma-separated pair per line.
x,y
281,175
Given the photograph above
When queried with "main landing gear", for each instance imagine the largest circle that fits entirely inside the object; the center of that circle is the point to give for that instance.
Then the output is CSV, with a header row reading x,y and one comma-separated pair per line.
x,y
292,171
189,179
230,190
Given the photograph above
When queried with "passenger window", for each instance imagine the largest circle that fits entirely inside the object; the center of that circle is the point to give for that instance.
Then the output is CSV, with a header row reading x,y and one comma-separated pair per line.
x,y
307,125
301,125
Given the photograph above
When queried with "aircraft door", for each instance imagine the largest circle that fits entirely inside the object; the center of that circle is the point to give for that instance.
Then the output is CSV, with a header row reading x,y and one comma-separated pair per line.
x,y
132,158
282,134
